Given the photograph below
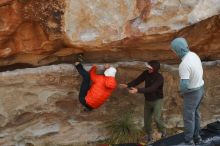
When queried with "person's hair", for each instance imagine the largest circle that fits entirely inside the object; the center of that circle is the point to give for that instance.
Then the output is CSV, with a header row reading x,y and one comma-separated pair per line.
x,y
155,64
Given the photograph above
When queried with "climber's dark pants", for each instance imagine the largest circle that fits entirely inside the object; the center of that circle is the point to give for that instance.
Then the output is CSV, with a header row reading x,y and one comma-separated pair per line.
x,y
85,86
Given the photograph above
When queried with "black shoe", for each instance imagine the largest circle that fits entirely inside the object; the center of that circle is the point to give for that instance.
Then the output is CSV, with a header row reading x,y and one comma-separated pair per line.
x,y
191,143
87,109
150,138
147,139
164,134
199,141
79,57
187,143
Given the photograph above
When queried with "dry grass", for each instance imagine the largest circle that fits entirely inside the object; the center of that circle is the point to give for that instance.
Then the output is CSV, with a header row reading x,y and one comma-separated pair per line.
x,y
123,129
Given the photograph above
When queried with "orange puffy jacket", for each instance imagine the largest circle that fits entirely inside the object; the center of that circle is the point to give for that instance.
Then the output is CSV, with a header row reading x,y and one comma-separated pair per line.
x,y
100,90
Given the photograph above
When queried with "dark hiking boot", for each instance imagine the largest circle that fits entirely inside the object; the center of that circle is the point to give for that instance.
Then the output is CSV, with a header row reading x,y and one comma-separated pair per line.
x,y
198,141
86,109
79,57
149,139
145,140
188,143
164,134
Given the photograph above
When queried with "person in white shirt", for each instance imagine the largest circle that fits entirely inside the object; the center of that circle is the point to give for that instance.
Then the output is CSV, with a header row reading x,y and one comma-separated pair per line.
x,y
191,88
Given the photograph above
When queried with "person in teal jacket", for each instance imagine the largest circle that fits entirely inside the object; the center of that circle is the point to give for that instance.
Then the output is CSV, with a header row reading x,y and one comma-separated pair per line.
x,y
191,88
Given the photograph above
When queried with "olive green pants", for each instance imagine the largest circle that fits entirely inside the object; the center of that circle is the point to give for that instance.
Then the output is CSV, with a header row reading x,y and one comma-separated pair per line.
x,y
153,109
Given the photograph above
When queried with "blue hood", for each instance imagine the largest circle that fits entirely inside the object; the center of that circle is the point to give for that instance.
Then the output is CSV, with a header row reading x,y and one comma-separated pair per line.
x,y
180,47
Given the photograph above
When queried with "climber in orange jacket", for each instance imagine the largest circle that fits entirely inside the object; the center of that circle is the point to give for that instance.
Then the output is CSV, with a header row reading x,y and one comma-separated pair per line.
x,y
94,95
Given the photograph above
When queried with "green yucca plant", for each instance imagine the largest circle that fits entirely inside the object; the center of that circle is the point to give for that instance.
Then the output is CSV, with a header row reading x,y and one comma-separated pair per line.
x,y
123,129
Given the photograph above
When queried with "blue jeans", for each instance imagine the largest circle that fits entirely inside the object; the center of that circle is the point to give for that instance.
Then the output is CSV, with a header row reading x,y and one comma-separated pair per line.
x,y
191,115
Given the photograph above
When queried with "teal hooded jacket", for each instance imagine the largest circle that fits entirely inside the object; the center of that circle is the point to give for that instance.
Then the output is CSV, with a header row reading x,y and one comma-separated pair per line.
x,y
180,47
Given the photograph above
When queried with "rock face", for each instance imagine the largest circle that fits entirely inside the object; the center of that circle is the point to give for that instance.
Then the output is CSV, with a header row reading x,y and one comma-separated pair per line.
x,y
47,31
29,30
107,21
41,105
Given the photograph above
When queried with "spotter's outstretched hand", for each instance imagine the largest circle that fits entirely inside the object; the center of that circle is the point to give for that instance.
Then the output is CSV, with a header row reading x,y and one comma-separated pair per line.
x,y
133,90
123,86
